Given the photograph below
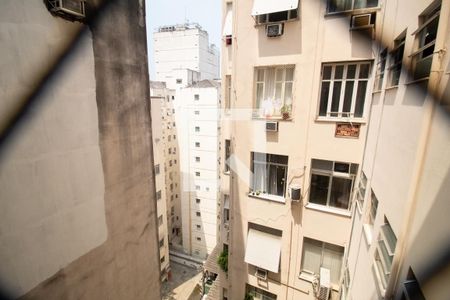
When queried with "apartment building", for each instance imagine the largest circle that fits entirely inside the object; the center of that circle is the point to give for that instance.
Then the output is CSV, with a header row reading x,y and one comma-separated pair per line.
x,y
166,157
301,82
400,233
197,107
183,55
78,207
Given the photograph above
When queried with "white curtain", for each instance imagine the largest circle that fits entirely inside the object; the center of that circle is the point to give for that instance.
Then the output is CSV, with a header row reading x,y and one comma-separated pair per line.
x,y
332,259
259,177
312,253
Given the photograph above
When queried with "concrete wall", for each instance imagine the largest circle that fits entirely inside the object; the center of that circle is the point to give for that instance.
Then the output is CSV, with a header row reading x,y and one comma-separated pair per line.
x,y
78,208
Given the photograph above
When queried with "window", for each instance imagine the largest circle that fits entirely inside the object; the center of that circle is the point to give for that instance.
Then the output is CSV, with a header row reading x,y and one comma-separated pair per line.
x,y
381,65
197,174
198,227
426,38
197,112
331,183
317,254
373,208
173,97
163,259
170,163
269,173
198,214
173,123
273,90
173,110
411,287
396,59
259,294
343,90
178,81
197,129
170,150
174,137
197,159
196,97
197,200
384,254
227,155
157,170
172,210
174,150
346,5
174,161
158,195
207,189
197,144
198,238
227,91
160,220
197,188
171,197
161,243
277,16
169,138
171,187
361,192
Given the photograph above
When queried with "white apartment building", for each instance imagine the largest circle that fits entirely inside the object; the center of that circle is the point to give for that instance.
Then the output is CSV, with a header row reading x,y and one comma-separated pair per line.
x,y
302,81
196,109
183,55
165,155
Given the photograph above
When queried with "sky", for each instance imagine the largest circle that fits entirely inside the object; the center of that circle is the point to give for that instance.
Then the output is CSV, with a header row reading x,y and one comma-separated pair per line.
x,y
207,13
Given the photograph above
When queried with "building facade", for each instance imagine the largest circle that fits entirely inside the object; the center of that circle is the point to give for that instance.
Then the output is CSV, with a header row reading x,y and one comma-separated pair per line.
x,y
315,112
196,108
78,207
183,55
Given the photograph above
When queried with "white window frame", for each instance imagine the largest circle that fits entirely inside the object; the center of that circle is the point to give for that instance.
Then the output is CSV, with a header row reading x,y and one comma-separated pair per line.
x,y
384,255
344,116
351,9
263,19
267,164
396,65
361,191
259,107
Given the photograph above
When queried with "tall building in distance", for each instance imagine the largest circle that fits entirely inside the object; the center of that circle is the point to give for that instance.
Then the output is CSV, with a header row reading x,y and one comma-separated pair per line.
x,y
183,55
336,147
196,110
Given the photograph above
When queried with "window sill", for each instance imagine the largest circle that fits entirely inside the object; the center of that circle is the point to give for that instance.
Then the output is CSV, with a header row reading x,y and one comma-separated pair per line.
x,y
368,233
280,118
340,120
376,92
327,209
274,198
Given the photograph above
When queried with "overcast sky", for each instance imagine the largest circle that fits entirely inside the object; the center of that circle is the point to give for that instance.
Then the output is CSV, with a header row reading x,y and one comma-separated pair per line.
x,y
207,13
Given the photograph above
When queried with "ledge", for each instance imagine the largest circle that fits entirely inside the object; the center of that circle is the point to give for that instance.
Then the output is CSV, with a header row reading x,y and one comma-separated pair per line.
x,y
340,120
273,198
352,12
391,88
272,119
331,210
417,81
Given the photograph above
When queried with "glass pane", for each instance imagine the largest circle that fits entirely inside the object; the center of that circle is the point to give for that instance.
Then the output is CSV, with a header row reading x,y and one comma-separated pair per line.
x,y
365,3
324,98
387,259
326,73
339,72
341,167
335,98
259,94
279,75
289,74
279,159
332,260
259,177
319,189
423,67
276,180
312,254
340,192
278,88
428,34
348,96
364,71
351,71
288,93
391,239
360,99
322,164
339,5
260,76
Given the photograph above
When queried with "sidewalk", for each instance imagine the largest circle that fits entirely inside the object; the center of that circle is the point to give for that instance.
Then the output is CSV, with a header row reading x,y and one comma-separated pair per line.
x,y
182,284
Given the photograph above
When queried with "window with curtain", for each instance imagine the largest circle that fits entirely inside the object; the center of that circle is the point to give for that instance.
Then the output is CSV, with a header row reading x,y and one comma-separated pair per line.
x,y
273,90
347,5
381,65
331,183
396,55
227,155
317,254
269,173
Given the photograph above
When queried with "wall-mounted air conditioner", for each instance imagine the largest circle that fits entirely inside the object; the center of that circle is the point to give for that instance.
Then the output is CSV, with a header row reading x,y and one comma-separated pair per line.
x,y
272,126
362,21
274,30
324,284
69,7
261,273
296,193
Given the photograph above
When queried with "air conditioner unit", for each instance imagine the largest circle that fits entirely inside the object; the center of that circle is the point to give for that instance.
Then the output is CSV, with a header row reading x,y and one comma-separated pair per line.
x,y
261,273
274,30
324,284
296,193
272,126
70,7
361,21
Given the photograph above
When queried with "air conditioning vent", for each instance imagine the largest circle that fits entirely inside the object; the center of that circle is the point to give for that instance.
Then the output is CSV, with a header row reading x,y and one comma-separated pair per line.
x,y
362,21
274,30
261,274
68,7
296,193
324,284
271,126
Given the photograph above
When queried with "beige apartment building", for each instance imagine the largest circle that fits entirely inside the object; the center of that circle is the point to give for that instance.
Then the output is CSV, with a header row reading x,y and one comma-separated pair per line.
x,y
335,159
